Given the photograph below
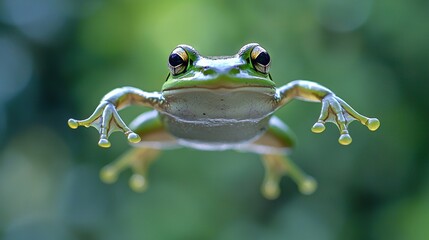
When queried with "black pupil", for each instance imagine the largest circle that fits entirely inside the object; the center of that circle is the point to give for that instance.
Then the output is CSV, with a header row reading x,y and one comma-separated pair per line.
x,y
263,58
175,60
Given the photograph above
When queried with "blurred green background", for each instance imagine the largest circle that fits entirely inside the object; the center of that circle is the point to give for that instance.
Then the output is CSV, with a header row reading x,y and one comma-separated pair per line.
x,y
59,57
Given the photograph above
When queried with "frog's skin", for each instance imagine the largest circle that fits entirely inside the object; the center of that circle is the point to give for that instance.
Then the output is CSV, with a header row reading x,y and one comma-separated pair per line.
x,y
217,103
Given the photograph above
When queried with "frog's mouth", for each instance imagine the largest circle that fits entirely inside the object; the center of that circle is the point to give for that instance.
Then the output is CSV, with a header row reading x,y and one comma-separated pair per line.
x,y
201,81
219,90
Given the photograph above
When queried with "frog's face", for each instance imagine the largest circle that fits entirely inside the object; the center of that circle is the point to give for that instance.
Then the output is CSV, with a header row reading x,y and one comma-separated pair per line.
x,y
189,70
218,89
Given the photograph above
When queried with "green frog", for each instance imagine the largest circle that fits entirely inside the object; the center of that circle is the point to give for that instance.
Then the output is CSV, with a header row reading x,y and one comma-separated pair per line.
x,y
214,104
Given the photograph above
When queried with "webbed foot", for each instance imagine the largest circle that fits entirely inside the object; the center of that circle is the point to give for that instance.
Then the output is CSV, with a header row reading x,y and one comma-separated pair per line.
x,y
277,166
139,160
337,111
106,120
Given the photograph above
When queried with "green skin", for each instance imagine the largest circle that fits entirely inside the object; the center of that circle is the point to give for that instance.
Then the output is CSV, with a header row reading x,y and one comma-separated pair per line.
x,y
217,103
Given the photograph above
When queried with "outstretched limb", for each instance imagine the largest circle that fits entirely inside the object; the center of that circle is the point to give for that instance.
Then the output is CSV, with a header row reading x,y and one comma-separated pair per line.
x,y
334,109
106,118
139,160
273,147
277,166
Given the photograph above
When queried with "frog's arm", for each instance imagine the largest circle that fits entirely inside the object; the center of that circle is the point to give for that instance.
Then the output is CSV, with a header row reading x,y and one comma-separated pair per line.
x,y
334,109
106,118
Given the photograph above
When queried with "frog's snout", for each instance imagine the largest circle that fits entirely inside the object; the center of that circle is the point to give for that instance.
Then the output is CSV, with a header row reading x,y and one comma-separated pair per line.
x,y
230,70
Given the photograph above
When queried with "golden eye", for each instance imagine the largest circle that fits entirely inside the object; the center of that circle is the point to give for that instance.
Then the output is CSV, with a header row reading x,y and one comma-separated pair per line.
x,y
178,61
260,59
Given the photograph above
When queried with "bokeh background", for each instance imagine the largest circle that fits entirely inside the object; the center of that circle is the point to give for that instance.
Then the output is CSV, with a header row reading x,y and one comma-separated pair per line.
x,y
59,57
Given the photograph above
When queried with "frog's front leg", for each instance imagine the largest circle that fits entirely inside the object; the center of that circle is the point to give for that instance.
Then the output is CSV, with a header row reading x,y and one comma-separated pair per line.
x,y
106,118
334,109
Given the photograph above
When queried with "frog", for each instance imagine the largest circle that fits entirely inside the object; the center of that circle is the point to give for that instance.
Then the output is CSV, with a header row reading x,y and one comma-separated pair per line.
x,y
217,103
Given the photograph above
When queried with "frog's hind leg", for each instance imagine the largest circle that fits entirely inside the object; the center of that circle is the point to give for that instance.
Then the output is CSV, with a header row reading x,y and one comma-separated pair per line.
x,y
139,160
273,147
154,138
277,166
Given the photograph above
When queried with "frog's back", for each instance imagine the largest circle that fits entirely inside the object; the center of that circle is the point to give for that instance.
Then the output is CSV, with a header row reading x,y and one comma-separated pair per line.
x,y
218,118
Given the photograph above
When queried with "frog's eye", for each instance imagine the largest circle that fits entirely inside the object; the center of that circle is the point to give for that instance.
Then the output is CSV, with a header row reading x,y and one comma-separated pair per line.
x,y
178,61
260,59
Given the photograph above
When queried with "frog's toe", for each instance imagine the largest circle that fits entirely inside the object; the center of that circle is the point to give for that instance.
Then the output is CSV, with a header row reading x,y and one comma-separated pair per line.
x,y
318,127
372,124
109,174
345,138
138,182
133,137
104,143
270,189
308,185
73,123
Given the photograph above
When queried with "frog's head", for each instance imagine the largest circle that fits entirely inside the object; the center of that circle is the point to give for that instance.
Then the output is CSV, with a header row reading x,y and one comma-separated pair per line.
x,y
248,68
